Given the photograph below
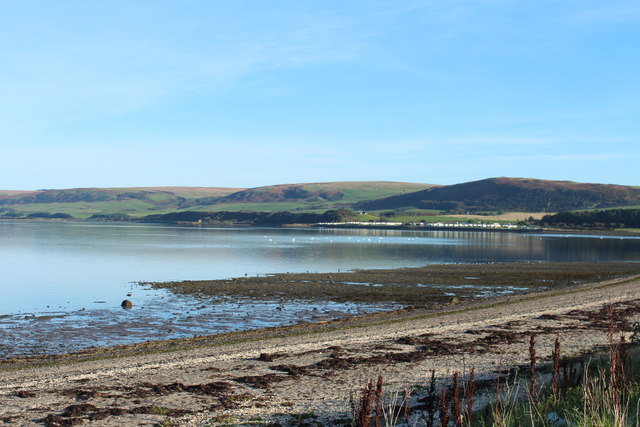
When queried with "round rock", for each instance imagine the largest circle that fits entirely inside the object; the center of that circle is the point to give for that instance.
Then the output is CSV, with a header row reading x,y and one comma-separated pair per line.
x,y
126,304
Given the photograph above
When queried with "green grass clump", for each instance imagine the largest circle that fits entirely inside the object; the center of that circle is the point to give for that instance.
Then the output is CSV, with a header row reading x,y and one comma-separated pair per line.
x,y
602,391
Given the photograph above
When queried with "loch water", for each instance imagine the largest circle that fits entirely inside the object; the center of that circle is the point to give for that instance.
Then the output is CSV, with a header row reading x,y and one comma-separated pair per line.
x,y
62,282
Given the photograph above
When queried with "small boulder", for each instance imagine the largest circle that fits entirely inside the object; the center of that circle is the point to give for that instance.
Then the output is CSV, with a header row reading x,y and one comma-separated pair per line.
x,y
455,300
126,304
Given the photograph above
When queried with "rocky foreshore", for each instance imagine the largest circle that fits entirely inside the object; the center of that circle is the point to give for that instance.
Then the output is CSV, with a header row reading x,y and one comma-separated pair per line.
x,y
306,372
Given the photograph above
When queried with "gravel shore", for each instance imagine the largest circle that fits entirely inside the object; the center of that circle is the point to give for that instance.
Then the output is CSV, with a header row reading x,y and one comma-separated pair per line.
x,y
286,375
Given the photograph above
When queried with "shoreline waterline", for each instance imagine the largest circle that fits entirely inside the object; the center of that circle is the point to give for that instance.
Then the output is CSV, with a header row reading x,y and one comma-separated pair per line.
x,y
400,292
273,374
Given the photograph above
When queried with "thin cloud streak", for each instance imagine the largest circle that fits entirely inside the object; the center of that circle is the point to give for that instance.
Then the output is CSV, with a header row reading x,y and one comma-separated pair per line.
x,y
107,74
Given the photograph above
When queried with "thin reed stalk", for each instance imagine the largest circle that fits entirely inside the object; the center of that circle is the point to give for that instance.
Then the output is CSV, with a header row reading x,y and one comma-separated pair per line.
x,y
363,414
498,404
378,401
555,377
532,367
405,405
622,355
431,400
613,356
469,391
444,407
390,411
456,406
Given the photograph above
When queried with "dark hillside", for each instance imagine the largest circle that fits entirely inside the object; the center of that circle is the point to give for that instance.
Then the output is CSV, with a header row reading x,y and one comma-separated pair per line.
x,y
512,194
346,192
608,218
280,193
251,217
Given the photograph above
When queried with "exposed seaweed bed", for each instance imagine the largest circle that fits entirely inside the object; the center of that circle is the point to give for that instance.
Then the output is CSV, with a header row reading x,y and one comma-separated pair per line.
x,y
424,286
278,374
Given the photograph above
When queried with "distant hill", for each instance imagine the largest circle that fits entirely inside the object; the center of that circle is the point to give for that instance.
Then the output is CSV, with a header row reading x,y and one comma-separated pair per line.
x,y
505,194
84,202
511,194
139,201
110,194
320,195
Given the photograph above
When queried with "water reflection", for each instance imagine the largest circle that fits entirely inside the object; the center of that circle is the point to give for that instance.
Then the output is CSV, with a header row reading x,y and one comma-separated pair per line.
x,y
163,316
67,280
57,265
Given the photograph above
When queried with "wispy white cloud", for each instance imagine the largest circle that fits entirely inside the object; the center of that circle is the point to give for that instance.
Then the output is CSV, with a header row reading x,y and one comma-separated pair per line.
x,y
75,76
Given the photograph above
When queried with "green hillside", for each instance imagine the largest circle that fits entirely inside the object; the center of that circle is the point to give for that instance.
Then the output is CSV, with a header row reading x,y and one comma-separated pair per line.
x,y
83,203
513,195
313,196
400,201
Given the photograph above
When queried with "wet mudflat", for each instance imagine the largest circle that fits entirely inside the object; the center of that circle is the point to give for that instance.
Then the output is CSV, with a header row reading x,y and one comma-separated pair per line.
x,y
206,312
427,286
164,318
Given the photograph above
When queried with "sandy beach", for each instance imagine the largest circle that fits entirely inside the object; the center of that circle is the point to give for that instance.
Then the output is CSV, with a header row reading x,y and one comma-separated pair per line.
x,y
306,373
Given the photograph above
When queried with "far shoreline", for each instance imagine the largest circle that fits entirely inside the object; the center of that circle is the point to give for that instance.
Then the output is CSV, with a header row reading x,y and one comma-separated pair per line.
x,y
565,231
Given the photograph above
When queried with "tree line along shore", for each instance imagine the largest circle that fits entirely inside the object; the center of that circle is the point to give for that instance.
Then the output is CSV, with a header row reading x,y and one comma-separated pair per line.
x,y
604,220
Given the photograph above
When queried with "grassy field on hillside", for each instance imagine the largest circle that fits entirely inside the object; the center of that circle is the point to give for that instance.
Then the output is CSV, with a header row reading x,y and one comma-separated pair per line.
x,y
358,191
426,218
83,210
261,207
82,203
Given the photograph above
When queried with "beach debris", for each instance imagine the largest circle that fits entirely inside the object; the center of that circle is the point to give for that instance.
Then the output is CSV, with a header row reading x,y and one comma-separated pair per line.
x,y
23,394
126,304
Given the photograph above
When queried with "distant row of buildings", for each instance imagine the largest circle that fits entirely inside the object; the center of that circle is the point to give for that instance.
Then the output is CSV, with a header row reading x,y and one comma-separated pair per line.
x,y
463,225
494,225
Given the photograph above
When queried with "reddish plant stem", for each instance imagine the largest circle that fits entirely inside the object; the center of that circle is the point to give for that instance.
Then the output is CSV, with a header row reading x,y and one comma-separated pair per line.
x,y
555,370
444,407
532,367
378,399
456,407
470,389
405,406
613,356
364,413
622,358
431,399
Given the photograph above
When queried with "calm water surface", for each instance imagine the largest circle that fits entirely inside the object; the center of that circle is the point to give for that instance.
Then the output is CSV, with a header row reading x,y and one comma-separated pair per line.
x,y
56,273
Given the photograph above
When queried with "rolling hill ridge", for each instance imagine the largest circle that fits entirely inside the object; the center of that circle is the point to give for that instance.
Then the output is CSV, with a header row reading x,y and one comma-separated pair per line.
x,y
139,201
493,194
511,194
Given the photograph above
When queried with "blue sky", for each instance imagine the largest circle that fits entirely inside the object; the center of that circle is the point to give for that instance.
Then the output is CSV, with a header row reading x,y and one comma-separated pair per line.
x,y
250,93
